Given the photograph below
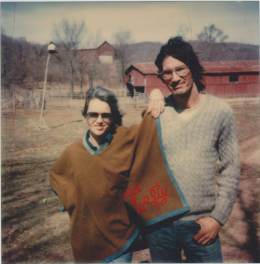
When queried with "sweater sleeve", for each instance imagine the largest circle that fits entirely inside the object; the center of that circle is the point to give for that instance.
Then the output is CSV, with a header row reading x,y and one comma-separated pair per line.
x,y
62,182
229,169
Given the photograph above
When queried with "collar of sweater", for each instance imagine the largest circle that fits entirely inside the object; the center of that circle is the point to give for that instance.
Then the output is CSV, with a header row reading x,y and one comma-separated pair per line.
x,y
93,150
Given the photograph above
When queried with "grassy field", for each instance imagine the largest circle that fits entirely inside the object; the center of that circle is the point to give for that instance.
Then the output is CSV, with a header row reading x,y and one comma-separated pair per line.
x,y
33,228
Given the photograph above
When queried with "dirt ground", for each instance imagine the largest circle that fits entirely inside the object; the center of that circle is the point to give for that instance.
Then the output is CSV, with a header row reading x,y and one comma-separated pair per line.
x,y
33,227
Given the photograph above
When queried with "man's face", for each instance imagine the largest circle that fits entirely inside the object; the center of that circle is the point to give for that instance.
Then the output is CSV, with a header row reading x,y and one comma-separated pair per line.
x,y
177,76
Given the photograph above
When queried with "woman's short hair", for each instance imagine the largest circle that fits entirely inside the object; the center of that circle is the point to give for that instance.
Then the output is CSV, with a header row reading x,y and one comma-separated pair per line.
x,y
108,97
178,48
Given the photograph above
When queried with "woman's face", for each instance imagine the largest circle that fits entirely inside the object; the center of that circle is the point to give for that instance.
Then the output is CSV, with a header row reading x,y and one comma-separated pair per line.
x,y
99,118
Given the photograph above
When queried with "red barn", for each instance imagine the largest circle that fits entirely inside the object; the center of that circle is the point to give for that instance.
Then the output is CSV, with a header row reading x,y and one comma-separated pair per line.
x,y
232,78
142,78
223,78
105,53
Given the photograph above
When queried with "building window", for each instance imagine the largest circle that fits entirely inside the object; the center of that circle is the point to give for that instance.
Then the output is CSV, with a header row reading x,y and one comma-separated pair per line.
x,y
233,77
139,89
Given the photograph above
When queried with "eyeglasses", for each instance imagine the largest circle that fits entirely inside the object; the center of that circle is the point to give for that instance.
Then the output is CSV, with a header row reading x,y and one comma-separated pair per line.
x,y
93,116
167,74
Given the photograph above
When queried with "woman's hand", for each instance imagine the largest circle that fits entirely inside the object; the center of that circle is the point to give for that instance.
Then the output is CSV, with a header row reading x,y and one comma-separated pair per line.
x,y
155,103
209,230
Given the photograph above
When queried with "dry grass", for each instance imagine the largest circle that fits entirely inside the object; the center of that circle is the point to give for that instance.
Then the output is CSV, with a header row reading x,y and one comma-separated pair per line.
x,y
33,228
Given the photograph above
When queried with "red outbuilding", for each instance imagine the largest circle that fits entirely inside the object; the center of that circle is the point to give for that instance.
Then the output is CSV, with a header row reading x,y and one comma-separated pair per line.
x,y
232,78
223,78
105,53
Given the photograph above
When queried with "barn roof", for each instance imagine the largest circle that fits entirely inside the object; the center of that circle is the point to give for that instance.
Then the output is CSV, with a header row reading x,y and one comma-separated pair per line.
x,y
93,52
144,68
231,66
209,66
105,43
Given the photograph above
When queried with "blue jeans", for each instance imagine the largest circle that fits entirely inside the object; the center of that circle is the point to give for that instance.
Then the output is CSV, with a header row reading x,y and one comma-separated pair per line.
x,y
167,241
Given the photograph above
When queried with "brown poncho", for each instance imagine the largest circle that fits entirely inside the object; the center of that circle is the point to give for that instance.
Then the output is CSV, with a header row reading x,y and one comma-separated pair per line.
x,y
92,189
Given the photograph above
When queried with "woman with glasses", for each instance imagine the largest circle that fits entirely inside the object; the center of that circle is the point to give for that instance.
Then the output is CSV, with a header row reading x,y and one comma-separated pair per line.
x,y
112,165
102,117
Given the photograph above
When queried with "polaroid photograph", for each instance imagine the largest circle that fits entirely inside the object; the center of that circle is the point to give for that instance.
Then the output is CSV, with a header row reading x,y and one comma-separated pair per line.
x,y
130,131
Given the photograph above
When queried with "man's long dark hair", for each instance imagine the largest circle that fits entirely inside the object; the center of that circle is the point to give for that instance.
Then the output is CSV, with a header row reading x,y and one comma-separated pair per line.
x,y
178,48
108,97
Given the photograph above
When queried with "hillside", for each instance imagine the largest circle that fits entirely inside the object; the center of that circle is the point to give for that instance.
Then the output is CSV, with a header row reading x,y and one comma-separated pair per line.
x,y
147,51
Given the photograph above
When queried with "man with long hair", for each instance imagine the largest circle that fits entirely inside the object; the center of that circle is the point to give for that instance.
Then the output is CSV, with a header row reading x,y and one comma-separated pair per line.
x,y
199,139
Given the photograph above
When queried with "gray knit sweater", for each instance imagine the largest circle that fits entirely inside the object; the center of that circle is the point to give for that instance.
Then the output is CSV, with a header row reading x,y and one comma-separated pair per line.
x,y
203,155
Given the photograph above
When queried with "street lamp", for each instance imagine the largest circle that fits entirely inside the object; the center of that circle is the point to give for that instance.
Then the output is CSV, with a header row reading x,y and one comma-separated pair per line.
x,y
51,50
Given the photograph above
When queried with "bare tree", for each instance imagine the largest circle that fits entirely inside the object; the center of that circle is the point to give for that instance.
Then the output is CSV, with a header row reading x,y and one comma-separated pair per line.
x,y
86,66
212,34
122,39
89,65
68,35
21,62
209,37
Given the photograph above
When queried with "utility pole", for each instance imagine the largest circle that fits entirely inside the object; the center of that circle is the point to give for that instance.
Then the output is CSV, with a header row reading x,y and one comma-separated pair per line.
x,y
51,50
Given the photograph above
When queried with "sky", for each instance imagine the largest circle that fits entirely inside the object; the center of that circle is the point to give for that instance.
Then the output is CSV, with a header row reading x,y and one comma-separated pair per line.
x,y
147,21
